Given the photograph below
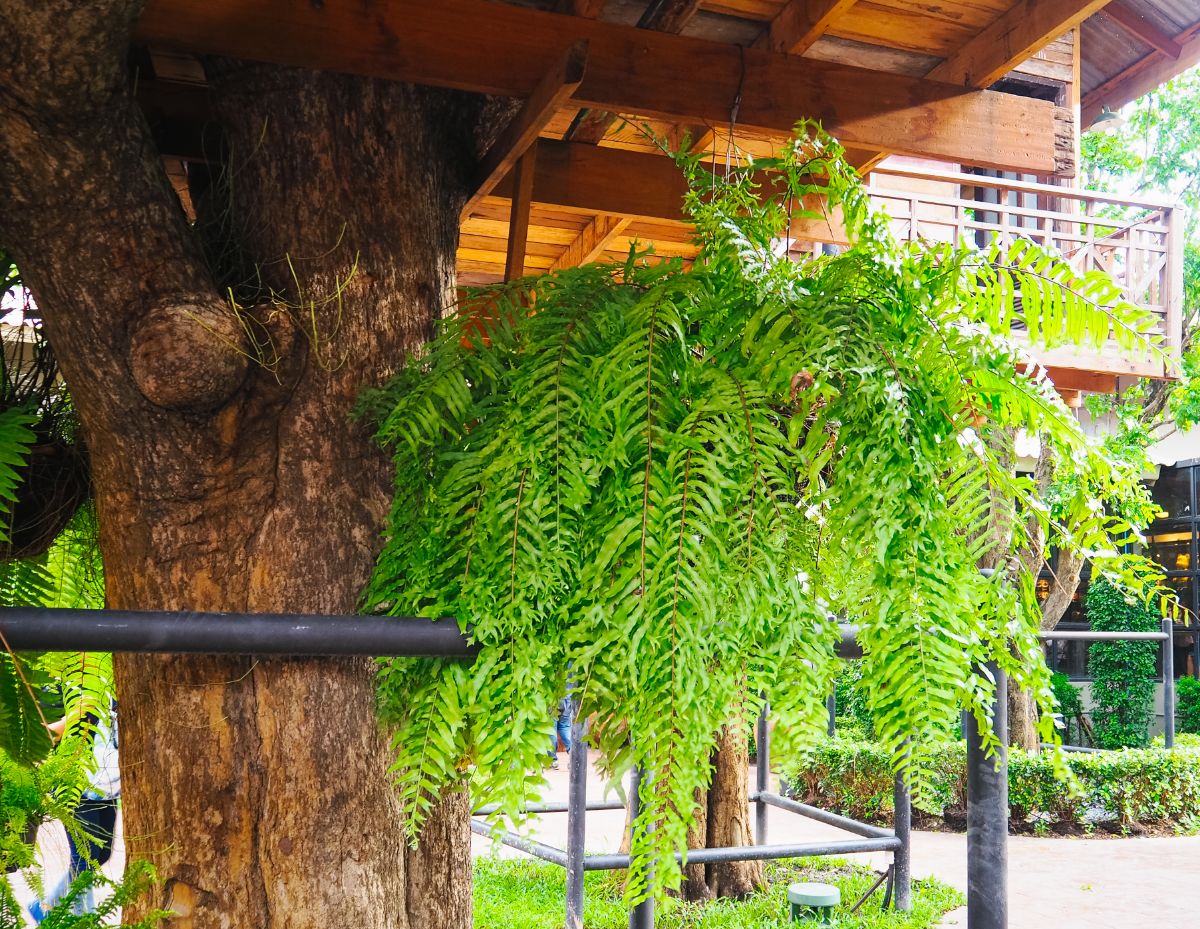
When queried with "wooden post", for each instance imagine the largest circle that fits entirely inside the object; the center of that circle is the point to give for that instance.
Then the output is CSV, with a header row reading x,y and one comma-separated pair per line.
x,y
518,218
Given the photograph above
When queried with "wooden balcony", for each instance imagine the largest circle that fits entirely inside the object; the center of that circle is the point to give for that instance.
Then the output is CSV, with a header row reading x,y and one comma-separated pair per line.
x,y
1139,243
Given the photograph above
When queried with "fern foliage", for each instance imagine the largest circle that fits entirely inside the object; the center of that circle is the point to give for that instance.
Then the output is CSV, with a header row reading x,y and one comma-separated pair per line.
x,y
670,482
37,687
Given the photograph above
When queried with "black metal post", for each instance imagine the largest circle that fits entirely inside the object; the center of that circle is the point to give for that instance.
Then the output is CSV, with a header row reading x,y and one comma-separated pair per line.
x,y
831,708
762,745
1168,628
642,915
576,822
987,818
902,857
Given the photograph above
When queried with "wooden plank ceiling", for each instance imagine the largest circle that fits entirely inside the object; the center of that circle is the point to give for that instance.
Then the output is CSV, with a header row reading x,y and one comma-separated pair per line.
x,y
609,82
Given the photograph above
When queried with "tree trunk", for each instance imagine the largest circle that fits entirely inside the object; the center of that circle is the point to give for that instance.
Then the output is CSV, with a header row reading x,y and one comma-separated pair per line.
x,y
724,822
228,472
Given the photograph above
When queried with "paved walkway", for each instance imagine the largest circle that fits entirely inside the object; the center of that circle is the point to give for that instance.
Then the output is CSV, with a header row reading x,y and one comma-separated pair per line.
x,y
1053,883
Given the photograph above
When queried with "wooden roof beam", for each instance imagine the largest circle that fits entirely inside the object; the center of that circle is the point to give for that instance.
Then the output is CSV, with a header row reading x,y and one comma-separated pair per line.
x,y
1142,76
1024,29
626,184
662,16
501,49
1136,25
547,98
797,27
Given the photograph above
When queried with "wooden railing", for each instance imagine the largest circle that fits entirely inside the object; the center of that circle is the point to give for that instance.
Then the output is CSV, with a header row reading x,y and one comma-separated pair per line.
x,y
1139,243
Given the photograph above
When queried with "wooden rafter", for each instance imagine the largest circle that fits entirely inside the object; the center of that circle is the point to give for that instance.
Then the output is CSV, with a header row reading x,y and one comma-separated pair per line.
x,y
591,126
1142,76
591,242
800,23
1025,28
501,49
522,131
1137,25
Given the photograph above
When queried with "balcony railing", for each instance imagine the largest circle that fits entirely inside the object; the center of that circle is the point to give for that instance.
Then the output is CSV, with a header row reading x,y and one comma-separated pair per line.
x,y
1139,243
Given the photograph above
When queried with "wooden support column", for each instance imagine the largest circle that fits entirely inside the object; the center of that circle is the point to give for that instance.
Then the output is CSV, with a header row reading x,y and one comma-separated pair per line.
x,y
518,221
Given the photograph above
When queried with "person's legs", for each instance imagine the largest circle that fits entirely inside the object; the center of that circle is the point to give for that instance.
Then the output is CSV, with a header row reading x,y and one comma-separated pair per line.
x,y
563,731
98,821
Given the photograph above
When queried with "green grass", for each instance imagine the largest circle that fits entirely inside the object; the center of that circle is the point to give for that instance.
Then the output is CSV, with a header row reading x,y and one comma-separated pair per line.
x,y
525,894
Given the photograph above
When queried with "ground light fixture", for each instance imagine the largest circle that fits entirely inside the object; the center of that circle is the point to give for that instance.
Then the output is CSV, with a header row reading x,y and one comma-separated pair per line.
x,y
813,903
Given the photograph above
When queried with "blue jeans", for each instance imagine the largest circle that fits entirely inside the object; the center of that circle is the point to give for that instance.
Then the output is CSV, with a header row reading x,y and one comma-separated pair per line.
x,y
562,730
98,818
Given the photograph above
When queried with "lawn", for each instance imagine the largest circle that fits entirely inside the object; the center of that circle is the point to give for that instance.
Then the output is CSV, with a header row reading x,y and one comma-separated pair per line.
x,y
526,894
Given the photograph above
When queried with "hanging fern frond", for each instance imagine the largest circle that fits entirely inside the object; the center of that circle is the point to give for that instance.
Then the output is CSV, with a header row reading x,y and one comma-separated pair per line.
x,y
670,483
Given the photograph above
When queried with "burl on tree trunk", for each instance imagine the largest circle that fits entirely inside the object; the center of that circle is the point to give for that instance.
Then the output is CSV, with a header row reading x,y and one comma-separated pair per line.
x,y
228,471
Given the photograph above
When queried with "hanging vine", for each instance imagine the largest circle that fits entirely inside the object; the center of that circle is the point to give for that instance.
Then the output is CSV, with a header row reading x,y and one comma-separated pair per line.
x,y
675,481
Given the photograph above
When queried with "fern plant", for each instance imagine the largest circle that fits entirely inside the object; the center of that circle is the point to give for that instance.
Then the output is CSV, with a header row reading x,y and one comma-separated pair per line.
x,y
675,480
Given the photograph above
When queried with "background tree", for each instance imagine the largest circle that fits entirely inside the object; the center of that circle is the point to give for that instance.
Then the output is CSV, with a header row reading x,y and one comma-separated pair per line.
x,y
1154,153
228,473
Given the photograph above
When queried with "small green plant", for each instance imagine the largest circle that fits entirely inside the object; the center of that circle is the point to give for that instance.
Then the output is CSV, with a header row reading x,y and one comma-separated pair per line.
x,y
1187,704
1123,673
1070,707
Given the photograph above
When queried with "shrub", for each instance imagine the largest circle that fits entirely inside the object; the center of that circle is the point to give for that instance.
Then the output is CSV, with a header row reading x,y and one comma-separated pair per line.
x,y
1070,707
851,701
1150,787
1122,672
1187,704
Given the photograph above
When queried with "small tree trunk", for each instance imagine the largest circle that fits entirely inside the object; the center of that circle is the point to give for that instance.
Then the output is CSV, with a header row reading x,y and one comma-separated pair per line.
x,y
724,822
729,816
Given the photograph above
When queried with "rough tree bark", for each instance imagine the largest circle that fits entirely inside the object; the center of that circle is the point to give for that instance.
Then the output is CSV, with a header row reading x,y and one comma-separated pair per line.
x,y
723,821
258,788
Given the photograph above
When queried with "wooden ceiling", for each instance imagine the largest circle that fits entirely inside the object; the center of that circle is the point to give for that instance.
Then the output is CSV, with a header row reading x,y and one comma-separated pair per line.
x,y
608,82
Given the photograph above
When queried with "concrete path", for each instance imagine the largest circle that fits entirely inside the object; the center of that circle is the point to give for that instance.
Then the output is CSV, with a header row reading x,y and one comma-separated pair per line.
x,y
1053,883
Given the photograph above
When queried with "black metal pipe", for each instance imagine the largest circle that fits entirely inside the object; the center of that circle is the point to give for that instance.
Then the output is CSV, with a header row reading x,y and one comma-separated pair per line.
x,y
902,858
540,808
47,629
831,710
987,818
1077,748
27,629
824,816
642,915
762,747
528,846
755,853
576,822
1088,635
1168,628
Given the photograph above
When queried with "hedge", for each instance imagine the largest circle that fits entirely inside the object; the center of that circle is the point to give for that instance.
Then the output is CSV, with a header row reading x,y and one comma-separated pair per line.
x,y
1138,787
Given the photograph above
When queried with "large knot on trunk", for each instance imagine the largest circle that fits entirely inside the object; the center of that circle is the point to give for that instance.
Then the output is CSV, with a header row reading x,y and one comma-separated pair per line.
x,y
189,355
